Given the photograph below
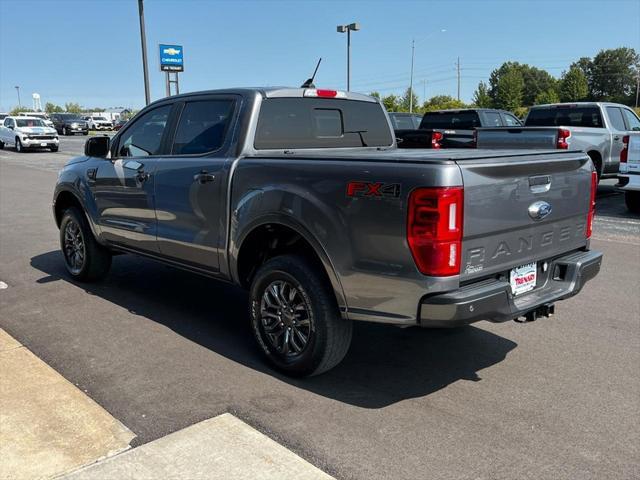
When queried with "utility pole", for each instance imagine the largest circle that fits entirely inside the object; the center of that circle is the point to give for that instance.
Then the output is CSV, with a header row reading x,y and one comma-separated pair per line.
x,y
143,42
17,87
637,88
458,68
413,51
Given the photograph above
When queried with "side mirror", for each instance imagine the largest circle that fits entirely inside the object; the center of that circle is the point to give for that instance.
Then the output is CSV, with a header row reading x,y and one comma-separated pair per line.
x,y
10,127
97,147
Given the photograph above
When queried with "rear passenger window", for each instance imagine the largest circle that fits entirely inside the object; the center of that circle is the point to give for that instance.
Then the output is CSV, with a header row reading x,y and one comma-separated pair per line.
x,y
615,115
632,121
144,137
511,121
202,127
493,119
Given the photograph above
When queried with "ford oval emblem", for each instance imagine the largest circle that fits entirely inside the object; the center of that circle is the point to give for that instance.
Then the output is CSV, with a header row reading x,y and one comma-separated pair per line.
x,y
539,210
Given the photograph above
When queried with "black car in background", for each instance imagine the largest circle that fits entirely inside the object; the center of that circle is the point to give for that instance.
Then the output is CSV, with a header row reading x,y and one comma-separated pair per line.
x,y
69,124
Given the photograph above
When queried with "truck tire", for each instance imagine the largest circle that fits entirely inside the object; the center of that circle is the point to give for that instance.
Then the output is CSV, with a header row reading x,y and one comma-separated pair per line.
x,y
85,259
295,318
19,146
53,149
632,199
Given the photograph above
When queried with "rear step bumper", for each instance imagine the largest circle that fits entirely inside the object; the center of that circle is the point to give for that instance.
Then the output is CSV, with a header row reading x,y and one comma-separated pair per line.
x,y
492,299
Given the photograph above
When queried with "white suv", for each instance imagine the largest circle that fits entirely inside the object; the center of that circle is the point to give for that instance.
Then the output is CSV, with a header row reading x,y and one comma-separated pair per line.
x,y
96,122
27,132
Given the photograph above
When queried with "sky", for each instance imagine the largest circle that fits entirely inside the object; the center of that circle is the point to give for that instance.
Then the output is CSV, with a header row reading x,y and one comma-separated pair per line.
x,y
88,51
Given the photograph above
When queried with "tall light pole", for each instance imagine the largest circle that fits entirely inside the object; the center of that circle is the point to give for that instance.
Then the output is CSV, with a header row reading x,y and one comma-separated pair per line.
x,y
348,28
143,41
17,87
413,54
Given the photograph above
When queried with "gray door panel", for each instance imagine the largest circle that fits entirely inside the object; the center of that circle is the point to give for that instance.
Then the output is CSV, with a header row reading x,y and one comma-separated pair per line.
x,y
123,191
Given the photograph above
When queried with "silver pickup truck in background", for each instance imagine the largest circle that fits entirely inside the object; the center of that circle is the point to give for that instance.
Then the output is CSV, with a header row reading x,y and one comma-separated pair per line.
x,y
596,128
301,196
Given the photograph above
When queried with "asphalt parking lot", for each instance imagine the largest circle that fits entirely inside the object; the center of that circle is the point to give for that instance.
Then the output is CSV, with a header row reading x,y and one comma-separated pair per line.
x,y
161,349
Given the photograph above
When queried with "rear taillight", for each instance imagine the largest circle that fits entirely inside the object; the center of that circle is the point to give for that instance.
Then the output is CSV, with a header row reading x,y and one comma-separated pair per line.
x,y
592,205
624,153
436,137
474,142
563,135
434,229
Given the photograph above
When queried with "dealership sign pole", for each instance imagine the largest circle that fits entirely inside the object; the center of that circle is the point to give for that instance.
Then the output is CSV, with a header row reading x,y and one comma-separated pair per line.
x,y
171,61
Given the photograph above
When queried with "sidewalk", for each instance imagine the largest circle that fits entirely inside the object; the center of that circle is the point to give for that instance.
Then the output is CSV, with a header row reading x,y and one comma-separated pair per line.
x,y
47,425
49,428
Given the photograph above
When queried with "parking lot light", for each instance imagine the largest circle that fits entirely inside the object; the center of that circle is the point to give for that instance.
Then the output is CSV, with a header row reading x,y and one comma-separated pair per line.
x,y
348,29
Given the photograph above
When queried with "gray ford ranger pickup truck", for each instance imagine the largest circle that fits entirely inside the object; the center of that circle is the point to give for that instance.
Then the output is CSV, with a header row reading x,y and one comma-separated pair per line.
x,y
302,197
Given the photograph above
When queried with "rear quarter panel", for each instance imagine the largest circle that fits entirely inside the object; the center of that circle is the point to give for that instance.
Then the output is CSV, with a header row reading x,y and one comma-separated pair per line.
x,y
363,238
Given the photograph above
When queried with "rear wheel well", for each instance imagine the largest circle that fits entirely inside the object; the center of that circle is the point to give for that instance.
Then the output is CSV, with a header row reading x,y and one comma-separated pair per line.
x,y
268,241
596,158
65,200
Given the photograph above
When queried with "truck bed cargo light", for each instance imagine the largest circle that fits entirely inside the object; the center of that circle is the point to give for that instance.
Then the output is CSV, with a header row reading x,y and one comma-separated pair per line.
x,y
323,93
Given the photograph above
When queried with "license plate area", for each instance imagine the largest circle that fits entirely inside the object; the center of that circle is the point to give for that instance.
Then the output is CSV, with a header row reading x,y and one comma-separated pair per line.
x,y
523,278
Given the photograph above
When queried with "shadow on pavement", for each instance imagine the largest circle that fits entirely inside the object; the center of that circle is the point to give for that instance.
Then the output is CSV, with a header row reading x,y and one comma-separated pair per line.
x,y
385,364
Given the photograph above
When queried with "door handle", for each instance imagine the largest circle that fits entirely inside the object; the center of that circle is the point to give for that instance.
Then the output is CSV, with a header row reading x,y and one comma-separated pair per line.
x,y
203,177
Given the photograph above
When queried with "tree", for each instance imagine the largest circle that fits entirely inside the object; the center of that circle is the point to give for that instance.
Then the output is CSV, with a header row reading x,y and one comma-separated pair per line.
x,y
509,89
390,102
550,96
574,85
72,107
536,82
442,102
17,110
481,97
52,108
405,101
375,95
613,75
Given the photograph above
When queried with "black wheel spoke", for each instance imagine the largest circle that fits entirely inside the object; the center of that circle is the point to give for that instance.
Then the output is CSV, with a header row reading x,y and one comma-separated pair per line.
x,y
285,318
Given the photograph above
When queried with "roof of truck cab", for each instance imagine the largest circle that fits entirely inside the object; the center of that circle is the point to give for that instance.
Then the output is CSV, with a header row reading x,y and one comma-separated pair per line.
x,y
272,92
579,104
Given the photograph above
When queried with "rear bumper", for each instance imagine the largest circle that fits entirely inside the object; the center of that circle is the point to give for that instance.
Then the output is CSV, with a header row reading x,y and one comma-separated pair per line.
x,y
492,299
629,181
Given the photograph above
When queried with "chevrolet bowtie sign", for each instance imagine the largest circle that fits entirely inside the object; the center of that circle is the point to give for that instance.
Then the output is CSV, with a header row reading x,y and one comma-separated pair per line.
x,y
171,58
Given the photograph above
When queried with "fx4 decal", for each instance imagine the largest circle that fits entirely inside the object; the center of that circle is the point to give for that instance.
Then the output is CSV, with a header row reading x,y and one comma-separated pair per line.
x,y
373,189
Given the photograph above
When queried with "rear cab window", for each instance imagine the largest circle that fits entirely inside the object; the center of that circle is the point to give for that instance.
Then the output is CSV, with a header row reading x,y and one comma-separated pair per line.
x,y
567,116
289,123
467,120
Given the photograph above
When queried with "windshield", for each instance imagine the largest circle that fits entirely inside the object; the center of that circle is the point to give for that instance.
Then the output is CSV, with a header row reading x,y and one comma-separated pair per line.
x,y
29,122
73,118
450,120
566,116
99,118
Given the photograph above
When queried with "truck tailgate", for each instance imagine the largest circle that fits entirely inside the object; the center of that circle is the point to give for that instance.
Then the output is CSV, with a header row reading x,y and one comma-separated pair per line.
x,y
526,137
499,230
